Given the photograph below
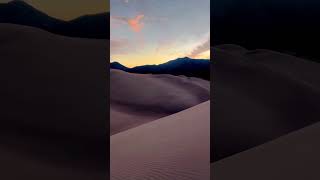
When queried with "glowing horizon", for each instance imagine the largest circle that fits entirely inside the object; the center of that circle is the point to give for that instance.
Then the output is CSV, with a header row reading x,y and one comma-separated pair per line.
x,y
153,32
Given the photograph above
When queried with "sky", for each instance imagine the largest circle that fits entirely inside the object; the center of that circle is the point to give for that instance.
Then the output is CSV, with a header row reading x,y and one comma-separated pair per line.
x,y
68,9
156,31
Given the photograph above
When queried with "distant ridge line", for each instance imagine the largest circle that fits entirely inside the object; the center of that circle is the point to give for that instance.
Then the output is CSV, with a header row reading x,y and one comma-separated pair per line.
x,y
93,26
199,68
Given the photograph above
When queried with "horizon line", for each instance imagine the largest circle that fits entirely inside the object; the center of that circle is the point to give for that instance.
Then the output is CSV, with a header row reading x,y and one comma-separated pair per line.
x,y
117,61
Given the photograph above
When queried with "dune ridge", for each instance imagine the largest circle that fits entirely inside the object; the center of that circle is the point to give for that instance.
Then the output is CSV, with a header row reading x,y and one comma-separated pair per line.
x,y
87,26
52,118
270,94
174,147
293,156
136,99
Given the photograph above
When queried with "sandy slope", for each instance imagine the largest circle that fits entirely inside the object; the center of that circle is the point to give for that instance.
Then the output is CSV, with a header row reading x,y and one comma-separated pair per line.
x,y
260,95
174,147
19,166
137,98
294,156
52,114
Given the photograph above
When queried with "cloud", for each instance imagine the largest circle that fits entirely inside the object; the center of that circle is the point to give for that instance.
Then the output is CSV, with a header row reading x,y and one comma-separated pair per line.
x,y
136,23
119,46
201,48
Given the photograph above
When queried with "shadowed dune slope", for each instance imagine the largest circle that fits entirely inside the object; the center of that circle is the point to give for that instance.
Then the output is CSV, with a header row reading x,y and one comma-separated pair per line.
x,y
19,166
139,98
294,156
19,12
52,115
174,147
260,95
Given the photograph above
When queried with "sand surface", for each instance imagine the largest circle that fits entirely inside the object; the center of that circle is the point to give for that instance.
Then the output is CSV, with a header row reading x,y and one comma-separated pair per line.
x,y
260,95
136,99
273,130
174,147
53,119
294,156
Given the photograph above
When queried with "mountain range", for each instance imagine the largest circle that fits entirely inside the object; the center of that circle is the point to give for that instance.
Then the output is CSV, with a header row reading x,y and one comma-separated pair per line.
x,y
182,66
88,26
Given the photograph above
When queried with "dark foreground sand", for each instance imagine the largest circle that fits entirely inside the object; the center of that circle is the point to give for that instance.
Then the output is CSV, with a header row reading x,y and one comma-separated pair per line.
x,y
292,157
260,95
136,99
174,147
53,116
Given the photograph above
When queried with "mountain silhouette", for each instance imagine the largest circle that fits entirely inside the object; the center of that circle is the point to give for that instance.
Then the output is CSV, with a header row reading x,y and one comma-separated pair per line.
x,y
116,65
182,66
87,26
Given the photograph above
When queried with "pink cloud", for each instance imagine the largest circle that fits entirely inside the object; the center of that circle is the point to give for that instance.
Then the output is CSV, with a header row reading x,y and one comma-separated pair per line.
x,y
135,23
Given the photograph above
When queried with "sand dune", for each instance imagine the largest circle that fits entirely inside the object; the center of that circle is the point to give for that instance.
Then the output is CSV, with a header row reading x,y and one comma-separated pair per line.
x,y
52,116
174,147
136,99
294,156
303,70
52,120
260,95
19,166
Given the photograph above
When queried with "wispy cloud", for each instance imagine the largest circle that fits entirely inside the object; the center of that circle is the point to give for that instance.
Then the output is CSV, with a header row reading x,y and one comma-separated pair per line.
x,y
122,46
119,46
136,23
201,48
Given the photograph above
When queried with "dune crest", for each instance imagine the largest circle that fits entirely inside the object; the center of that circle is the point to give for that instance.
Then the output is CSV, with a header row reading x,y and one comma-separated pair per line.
x,y
260,95
294,156
174,147
139,98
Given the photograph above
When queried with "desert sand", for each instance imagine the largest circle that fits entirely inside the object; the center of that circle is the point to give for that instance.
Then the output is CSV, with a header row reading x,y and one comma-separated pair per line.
x,y
173,147
294,156
260,95
53,119
136,99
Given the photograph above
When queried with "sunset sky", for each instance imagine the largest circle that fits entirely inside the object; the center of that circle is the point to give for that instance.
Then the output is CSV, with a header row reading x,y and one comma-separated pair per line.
x,y
68,9
154,31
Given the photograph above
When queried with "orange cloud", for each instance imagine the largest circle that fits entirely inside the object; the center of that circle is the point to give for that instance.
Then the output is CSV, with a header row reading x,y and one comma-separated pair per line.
x,y
135,23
